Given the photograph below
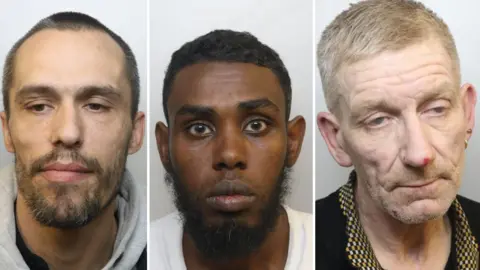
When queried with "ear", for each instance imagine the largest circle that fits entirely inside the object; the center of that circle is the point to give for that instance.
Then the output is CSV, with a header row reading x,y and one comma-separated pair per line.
x,y
7,139
330,129
136,139
161,134
295,134
469,99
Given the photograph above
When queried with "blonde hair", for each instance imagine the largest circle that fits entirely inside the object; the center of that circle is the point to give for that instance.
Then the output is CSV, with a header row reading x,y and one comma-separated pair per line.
x,y
374,26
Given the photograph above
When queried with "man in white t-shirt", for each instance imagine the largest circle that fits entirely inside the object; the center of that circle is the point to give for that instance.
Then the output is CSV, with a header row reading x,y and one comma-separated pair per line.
x,y
228,146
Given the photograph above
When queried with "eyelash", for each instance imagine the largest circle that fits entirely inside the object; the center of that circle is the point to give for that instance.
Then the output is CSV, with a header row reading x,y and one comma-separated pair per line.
x,y
31,107
266,121
189,126
101,109
386,117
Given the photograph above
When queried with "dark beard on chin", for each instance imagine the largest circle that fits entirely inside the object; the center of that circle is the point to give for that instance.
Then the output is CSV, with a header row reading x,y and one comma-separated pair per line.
x,y
71,215
232,239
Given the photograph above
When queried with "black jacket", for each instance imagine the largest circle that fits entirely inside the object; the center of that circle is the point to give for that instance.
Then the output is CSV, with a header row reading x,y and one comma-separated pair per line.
x,y
331,238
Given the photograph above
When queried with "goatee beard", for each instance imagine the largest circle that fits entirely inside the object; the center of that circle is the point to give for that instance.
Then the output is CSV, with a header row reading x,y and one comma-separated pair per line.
x,y
65,213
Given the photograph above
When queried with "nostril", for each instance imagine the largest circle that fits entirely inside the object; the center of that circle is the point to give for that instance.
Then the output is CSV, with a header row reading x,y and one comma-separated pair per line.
x,y
241,165
223,165
220,166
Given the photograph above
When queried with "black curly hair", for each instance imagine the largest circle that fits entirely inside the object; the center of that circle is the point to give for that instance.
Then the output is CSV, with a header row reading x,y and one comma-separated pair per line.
x,y
227,46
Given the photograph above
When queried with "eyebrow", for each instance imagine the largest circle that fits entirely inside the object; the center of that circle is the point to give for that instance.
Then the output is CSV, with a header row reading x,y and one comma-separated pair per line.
x,y
84,92
104,91
196,110
445,90
39,90
254,104
206,111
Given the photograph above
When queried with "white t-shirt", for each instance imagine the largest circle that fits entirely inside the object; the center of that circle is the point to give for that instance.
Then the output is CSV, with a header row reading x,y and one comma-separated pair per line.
x,y
166,242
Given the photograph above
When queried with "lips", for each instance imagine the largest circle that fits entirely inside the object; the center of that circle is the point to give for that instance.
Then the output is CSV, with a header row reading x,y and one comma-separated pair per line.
x,y
69,172
428,186
230,196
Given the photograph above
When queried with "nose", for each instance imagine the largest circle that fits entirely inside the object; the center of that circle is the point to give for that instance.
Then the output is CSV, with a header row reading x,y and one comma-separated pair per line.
x,y
417,150
66,127
229,150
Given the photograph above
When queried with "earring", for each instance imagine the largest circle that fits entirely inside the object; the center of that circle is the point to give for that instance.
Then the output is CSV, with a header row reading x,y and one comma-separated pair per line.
x,y
469,131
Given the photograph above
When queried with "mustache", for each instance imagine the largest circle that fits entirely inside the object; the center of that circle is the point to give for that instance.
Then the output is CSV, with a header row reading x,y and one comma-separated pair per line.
x,y
91,164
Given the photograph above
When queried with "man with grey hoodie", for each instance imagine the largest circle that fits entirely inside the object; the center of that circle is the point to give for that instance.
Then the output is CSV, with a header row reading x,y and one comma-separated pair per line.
x,y
71,94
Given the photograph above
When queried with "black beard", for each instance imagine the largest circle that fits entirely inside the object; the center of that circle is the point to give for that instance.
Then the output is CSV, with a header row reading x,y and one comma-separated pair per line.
x,y
232,239
75,216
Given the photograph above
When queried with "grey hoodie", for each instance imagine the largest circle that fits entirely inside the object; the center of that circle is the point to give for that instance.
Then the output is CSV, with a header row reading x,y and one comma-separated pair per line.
x,y
132,230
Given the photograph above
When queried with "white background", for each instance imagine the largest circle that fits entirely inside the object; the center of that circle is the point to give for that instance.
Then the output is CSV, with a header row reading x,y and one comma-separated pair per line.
x,y
284,25
461,17
126,18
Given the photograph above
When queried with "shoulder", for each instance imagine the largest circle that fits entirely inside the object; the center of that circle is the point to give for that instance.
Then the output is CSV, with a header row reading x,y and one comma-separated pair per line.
x,y
300,222
142,261
7,177
303,217
166,224
330,234
328,211
472,211
166,242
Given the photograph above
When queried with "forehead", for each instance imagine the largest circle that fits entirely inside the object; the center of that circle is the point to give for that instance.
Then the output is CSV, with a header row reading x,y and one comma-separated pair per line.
x,y
419,67
68,59
219,84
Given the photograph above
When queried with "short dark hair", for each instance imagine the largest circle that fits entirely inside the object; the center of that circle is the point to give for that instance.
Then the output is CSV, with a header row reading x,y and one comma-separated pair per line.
x,y
72,21
227,46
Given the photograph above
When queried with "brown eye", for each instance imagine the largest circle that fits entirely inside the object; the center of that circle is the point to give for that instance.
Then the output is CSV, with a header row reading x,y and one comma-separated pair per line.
x,y
438,110
200,130
256,126
95,107
39,107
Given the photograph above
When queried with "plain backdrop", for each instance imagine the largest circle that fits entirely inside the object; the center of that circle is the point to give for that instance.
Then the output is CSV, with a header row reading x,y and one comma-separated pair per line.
x,y
126,18
284,25
460,17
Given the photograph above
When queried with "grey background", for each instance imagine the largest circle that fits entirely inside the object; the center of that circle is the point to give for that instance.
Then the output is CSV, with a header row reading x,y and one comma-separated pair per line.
x,y
284,25
126,18
461,17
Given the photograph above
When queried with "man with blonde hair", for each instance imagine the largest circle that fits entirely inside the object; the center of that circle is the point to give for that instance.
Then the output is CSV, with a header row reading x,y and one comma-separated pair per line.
x,y
400,115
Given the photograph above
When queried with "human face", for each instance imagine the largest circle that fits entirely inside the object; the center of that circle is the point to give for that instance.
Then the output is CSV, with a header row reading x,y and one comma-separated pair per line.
x,y
228,139
69,125
403,123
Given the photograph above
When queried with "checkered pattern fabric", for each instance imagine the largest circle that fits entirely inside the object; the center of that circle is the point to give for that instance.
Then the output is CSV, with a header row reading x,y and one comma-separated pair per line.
x,y
465,243
361,255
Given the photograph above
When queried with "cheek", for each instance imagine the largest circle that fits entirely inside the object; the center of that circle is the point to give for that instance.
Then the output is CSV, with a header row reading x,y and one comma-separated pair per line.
x,y
373,155
30,139
266,159
191,162
106,142
449,144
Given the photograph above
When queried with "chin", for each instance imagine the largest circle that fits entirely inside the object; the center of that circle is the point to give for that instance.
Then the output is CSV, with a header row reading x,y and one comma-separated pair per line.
x,y
420,211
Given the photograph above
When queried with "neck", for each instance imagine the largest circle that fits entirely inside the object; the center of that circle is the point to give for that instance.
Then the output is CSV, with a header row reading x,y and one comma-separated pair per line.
x,y
87,247
418,246
272,254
